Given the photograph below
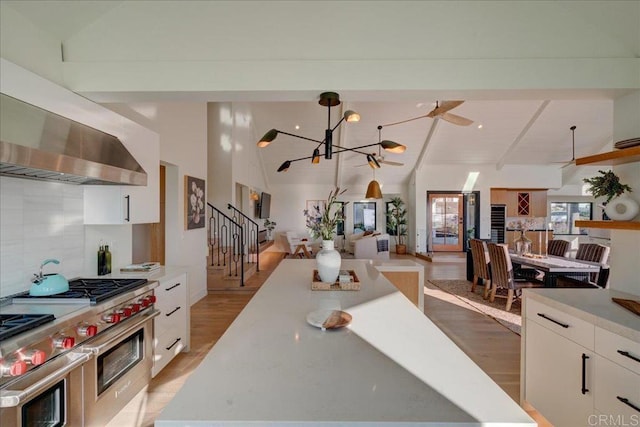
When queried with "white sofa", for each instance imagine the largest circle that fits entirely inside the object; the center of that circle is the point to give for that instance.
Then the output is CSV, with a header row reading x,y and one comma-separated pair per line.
x,y
375,246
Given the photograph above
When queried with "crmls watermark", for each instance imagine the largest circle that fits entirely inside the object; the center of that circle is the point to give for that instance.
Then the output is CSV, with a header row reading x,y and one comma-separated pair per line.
x,y
613,420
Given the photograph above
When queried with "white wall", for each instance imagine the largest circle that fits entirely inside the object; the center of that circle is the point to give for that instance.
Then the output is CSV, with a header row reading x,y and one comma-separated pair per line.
x,y
39,220
182,128
25,44
625,245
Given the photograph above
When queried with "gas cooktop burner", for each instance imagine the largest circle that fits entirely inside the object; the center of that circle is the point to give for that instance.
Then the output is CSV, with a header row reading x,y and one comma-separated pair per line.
x,y
93,290
14,324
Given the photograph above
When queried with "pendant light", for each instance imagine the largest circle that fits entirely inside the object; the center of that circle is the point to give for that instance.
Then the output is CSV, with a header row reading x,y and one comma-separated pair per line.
x,y
373,189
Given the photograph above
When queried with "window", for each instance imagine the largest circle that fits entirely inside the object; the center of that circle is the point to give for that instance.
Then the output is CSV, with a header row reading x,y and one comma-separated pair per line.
x,y
364,216
564,215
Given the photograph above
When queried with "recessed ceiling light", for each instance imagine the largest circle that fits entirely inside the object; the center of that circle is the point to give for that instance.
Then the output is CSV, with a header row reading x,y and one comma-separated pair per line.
x,y
480,126
297,127
420,105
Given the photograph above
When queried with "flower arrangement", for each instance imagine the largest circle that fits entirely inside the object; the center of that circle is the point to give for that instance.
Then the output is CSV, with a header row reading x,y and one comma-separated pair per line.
x,y
322,222
608,185
523,224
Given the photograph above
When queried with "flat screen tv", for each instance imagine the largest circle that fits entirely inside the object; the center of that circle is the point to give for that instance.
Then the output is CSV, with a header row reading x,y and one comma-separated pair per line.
x,y
265,206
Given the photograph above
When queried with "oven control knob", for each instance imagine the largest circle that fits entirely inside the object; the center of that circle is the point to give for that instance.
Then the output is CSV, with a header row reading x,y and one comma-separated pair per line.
x,y
35,357
88,330
145,302
112,318
13,368
135,307
64,343
126,312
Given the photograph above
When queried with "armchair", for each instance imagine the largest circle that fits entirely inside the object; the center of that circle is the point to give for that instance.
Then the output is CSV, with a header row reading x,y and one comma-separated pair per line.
x,y
372,247
295,240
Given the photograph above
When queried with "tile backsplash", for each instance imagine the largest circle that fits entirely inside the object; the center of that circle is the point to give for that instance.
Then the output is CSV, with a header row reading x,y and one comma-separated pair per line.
x,y
39,220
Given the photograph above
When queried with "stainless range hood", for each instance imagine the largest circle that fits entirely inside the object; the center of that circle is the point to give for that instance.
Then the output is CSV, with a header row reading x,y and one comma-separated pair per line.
x,y
38,144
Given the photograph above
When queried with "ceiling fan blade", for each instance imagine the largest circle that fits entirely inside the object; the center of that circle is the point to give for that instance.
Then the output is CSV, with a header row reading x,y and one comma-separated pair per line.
x,y
390,163
456,120
443,107
571,163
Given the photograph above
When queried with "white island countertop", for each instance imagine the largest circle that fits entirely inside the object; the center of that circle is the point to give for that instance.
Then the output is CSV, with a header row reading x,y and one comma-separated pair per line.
x,y
390,366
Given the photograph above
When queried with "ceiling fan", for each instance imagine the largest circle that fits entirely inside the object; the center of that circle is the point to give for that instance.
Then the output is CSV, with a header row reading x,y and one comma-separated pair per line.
x,y
442,112
374,160
573,149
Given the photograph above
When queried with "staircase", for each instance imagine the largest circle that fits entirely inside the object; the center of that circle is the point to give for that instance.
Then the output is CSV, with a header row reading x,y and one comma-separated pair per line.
x,y
234,251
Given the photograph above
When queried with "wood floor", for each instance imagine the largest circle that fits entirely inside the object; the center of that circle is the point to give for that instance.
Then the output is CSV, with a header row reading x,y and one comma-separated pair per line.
x,y
490,345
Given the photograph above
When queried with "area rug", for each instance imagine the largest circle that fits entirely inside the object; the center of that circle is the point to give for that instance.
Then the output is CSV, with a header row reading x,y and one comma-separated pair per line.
x,y
461,290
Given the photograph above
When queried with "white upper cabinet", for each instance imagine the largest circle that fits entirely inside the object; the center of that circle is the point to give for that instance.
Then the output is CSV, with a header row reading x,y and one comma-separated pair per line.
x,y
129,204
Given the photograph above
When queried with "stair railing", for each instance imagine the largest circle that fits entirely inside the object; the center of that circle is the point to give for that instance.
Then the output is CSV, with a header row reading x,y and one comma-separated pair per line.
x,y
251,229
226,245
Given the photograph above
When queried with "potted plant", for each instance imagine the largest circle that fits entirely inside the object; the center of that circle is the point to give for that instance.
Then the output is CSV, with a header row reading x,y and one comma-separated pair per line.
x,y
269,225
397,221
617,206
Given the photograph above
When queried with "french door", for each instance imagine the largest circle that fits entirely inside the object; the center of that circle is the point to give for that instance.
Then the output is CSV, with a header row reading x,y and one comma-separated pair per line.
x,y
446,222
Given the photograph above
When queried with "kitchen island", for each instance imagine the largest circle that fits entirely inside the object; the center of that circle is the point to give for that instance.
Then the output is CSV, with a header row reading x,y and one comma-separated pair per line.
x,y
390,366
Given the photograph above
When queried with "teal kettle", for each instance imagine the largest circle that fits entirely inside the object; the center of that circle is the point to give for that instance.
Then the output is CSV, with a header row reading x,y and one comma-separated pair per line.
x,y
48,284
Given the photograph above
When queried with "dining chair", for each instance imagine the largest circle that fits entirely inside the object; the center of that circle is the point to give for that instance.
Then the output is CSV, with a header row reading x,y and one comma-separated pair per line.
x,y
594,252
558,247
502,275
481,269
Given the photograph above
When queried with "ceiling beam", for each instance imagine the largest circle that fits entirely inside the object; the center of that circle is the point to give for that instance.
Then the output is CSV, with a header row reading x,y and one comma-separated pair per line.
x,y
524,131
426,145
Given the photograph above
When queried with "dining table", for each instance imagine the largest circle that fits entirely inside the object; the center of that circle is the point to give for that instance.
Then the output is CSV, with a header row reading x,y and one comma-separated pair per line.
x,y
555,266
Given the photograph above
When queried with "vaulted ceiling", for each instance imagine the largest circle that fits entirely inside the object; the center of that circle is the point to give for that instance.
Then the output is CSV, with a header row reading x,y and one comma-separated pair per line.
x,y
119,51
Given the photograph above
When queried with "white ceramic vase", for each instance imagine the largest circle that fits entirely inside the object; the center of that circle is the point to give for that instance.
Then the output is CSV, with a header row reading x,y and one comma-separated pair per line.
x,y
328,262
622,208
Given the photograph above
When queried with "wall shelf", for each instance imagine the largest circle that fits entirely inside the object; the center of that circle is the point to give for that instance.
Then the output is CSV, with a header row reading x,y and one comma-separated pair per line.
x,y
612,225
617,157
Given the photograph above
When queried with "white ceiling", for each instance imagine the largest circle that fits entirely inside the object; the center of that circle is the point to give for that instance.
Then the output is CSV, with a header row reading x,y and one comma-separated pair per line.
x,y
513,132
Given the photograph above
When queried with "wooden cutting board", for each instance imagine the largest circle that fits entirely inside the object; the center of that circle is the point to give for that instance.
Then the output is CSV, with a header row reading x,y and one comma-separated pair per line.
x,y
629,304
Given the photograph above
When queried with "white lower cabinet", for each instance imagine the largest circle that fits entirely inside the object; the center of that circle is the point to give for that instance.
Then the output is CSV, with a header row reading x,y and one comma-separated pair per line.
x,y
554,376
617,391
171,327
578,374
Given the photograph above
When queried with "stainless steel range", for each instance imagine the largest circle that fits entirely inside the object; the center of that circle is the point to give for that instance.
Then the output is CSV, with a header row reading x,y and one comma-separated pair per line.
x,y
77,357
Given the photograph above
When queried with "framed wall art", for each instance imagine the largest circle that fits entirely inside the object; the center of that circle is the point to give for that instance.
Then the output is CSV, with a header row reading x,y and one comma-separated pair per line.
x,y
195,208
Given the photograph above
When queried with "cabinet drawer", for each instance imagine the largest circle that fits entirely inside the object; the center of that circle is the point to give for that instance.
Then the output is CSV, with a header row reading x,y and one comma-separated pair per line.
x,y
173,318
171,293
620,350
613,382
566,325
167,344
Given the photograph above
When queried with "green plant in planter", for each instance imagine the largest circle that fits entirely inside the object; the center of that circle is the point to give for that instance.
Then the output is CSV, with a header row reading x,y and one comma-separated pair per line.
x,y
608,185
269,225
397,220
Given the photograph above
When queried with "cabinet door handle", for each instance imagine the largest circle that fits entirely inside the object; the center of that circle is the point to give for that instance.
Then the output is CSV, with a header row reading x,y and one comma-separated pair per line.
x,y
544,316
172,311
174,343
128,216
629,355
584,389
626,402
171,287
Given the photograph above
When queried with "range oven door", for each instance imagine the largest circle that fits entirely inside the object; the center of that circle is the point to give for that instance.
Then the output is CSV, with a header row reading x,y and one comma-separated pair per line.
x,y
50,396
121,367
